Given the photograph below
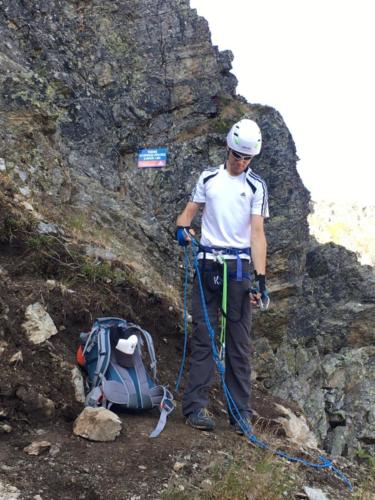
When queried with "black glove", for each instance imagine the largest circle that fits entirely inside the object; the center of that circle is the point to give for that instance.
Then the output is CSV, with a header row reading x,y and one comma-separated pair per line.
x,y
264,301
260,280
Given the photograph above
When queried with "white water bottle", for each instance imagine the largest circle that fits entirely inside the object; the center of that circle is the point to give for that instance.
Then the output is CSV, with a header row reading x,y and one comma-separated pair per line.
x,y
127,346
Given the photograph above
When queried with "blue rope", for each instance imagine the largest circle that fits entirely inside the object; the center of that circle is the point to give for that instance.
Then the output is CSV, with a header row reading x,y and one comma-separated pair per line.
x,y
325,463
186,284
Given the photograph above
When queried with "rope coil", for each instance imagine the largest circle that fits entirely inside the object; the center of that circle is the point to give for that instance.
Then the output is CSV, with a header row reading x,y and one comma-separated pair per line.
x,y
324,463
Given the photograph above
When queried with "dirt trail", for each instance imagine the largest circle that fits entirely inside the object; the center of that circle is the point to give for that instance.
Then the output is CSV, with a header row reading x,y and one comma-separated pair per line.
x,y
137,467
134,466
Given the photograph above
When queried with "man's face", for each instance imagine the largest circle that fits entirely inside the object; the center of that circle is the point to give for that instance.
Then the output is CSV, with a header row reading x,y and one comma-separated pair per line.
x,y
237,162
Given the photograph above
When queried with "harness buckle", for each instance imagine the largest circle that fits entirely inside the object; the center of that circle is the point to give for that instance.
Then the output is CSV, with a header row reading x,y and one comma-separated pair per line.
x,y
219,257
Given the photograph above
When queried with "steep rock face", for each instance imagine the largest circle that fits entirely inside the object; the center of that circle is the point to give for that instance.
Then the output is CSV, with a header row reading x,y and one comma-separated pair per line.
x,y
84,84
326,361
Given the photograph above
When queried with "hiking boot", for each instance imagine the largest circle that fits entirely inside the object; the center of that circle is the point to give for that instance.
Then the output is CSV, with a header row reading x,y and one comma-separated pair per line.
x,y
201,419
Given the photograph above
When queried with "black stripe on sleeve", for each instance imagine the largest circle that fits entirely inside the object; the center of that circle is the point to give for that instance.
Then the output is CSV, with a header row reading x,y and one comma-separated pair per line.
x,y
209,177
253,188
265,193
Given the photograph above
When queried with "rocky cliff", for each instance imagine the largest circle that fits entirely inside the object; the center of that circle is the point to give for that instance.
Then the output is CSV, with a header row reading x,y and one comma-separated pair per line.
x,y
84,85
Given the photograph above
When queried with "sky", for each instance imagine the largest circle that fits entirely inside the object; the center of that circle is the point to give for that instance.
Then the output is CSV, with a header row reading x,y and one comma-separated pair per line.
x,y
313,61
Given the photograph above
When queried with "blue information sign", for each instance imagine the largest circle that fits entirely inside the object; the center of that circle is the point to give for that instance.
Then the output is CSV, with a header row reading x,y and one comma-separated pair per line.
x,y
154,158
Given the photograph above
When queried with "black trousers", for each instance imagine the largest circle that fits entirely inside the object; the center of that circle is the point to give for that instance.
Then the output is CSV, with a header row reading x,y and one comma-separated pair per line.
x,y
237,356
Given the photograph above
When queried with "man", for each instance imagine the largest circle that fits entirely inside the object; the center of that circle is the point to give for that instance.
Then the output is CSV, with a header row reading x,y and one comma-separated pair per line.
x,y
235,203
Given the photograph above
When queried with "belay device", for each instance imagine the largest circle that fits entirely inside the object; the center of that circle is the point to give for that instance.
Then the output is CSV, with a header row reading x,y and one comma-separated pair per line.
x,y
117,378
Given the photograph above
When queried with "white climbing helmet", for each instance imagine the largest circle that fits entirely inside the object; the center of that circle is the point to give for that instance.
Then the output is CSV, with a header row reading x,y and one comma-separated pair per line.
x,y
245,137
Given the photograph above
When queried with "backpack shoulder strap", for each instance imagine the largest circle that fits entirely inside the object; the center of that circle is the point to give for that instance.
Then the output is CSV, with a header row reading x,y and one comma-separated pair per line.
x,y
90,337
164,397
151,351
150,346
104,355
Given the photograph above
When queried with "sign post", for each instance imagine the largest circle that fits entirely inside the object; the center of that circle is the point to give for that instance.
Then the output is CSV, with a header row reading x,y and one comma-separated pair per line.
x,y
152,158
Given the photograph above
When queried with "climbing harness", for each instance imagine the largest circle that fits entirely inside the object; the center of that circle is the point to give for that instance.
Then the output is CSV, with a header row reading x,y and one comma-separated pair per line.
x,y
219,251
322,462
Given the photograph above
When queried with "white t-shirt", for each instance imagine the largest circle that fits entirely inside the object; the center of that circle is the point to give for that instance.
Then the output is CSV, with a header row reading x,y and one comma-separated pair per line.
x,y
229,203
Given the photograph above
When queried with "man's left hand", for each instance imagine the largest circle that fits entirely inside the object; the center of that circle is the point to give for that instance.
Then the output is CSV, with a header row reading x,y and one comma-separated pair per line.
x,y
259,295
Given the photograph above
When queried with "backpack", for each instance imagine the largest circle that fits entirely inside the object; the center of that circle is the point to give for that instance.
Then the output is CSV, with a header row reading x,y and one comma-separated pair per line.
x,y
115,378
